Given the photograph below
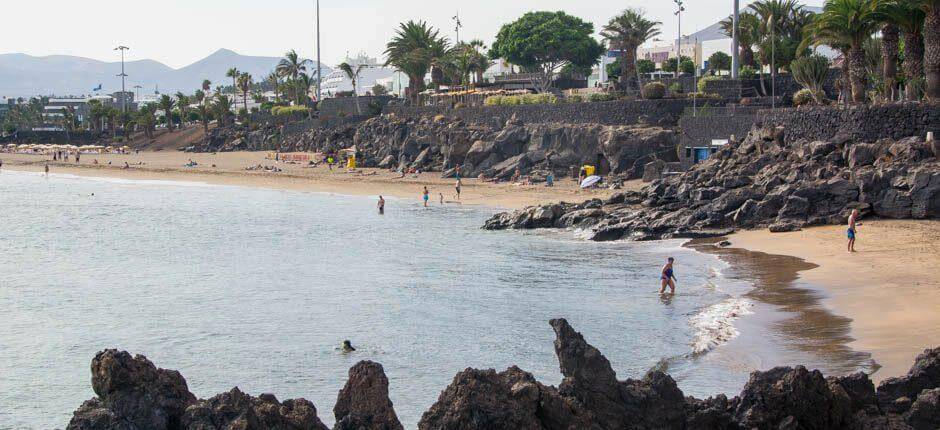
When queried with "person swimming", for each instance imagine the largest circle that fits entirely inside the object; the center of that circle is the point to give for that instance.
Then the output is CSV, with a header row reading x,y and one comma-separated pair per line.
x,y
668,277
347,346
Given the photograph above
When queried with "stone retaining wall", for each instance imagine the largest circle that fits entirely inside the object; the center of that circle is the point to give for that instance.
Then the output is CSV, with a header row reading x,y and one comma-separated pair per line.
x,y
866,123
346,106
654,112
52,137
709,124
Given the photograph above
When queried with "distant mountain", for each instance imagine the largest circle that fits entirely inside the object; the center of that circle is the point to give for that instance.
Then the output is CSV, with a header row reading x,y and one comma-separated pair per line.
x,y
24,75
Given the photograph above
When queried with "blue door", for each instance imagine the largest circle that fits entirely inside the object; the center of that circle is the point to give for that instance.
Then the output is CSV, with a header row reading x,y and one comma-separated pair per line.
x,y
701,154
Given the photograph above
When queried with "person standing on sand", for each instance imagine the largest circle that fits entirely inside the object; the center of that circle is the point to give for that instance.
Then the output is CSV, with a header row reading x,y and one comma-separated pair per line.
x,y
381,206
441,197
667,277
457,187
853,229
426,196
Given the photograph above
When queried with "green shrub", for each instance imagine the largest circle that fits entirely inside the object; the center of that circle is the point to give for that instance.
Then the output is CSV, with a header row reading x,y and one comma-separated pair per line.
x,y
703,95
747,72
675,88
493,101
807,96
574,98
704,81
811,72
289,110
654,90
599,97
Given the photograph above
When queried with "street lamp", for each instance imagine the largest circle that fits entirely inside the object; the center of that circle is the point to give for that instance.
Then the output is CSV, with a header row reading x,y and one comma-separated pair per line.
x,y
137,91
773,63
680,9
457,26
319,68
122,75
735,44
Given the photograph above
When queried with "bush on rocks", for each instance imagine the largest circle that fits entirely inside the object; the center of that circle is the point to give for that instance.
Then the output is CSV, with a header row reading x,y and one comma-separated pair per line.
x,y
654,90
808,97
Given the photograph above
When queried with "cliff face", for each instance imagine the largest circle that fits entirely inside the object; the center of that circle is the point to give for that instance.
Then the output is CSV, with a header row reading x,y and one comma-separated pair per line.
x,y
761,182
441,144
133,394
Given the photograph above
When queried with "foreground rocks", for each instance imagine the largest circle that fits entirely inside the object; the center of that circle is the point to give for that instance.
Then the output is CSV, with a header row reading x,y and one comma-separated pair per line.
x,y
133,394
761,182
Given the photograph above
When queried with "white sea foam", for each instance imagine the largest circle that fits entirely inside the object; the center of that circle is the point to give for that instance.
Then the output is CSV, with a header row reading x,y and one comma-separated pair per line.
x,y
714,325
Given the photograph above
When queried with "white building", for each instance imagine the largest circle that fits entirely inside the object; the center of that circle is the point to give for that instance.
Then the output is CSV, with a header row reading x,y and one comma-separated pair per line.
x,y
337,81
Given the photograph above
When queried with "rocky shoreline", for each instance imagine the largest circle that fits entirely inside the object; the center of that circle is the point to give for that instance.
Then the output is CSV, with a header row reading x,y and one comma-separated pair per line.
x,y
132,393
760,182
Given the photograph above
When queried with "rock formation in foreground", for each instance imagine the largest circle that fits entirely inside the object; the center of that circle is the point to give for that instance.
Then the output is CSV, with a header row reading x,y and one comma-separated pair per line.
x,y
133,394
760,182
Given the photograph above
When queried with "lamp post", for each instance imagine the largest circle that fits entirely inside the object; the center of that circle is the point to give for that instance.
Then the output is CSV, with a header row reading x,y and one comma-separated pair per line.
x,y
678,14
123,76
319,68
735,44
457,25
137,90
773,63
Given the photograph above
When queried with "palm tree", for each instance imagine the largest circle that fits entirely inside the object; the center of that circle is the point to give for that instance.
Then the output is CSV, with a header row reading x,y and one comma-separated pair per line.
x,y
234,74
206,86
479,60
290,67
275,80
222,109
849,23
352,72
932,47
909,17
748,35
627,32
182,103
780,28
244,85
413,50
166,103
146,120
199,96
205,114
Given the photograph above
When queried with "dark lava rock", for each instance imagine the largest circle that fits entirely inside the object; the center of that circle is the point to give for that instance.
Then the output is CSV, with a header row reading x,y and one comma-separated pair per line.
x,y
237,410
132,393
785,397
923,375
363,403
925,412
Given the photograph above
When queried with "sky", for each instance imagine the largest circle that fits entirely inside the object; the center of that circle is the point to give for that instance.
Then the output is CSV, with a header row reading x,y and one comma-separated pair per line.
x,y
179,32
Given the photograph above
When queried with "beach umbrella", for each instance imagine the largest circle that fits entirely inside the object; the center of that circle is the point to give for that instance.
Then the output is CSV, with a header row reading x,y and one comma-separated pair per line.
x,y
590,181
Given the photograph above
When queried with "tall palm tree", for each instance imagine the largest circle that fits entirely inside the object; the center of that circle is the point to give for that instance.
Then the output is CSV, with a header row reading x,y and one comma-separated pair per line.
x,y
166,103
146,120
780,29
205,114
352,72
748,35
627,32
413,50
275,81
199,96
244,85
290,67
909,18
932,47
222,108
849,23
479,61
233,73
182,104
206,86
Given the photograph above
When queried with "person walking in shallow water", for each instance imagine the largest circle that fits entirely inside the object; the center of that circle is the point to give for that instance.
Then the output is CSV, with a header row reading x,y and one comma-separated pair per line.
x,y
381,206
668,277
426,196
47,170
852,230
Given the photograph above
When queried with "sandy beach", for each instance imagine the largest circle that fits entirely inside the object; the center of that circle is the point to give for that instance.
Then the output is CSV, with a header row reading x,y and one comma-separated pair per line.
x,y
889,288
887,292
229,168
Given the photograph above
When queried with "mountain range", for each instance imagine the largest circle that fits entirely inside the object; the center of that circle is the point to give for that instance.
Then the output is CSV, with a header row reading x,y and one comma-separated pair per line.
x,y
23,75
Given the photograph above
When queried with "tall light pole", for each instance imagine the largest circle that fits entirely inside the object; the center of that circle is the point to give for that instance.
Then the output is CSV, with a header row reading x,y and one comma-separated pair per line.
x,y
137,90
457,26
679,40
773,64
735,44
123,76
319,68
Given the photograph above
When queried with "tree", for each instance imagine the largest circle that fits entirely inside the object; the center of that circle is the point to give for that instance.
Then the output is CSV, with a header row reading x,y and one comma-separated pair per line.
x,y
469,60
932,47
909,18
222,109
290,67
166,103
412,51
244,85
781,25
233,73
686,66
379,90
849,23
645,66
182,104
352,72
544,42
146,120
719,61
811,72
205,115
749,32
627,32
275,81
199,96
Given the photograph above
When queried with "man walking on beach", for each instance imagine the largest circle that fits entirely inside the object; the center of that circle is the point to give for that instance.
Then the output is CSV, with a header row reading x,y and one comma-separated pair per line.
x,y
47,170
381,206
853,229
668,278
426,196
457,187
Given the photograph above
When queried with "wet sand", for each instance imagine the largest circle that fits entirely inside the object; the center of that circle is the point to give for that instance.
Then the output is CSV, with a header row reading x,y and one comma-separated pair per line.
x,y
229,169
887,294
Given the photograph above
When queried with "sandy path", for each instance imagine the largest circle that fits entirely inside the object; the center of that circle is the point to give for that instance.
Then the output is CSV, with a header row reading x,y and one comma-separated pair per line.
x,y
890,288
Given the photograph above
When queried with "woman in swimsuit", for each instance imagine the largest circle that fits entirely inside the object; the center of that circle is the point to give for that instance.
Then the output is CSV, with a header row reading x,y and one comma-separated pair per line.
x,y
668,278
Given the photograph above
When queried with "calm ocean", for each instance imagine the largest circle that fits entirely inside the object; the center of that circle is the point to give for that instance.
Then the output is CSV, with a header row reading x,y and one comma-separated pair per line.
x,y
257,288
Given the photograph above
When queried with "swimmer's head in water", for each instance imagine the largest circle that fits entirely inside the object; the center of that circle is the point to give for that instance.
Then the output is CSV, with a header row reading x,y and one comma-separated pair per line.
x,y
670,259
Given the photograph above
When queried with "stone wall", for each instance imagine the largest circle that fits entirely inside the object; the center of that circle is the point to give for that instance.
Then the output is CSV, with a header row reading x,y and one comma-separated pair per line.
x,y
346,106
866,123
709,124
664,113
52,137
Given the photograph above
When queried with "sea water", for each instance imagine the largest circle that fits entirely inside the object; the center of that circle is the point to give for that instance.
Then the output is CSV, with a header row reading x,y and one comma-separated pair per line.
x,y
257,288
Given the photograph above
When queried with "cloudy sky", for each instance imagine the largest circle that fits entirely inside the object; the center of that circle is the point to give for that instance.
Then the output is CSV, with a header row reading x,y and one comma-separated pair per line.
x,y
179,32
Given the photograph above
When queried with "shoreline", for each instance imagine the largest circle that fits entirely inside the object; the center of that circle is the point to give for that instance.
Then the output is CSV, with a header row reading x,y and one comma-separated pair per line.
x,y
229,169
852,323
